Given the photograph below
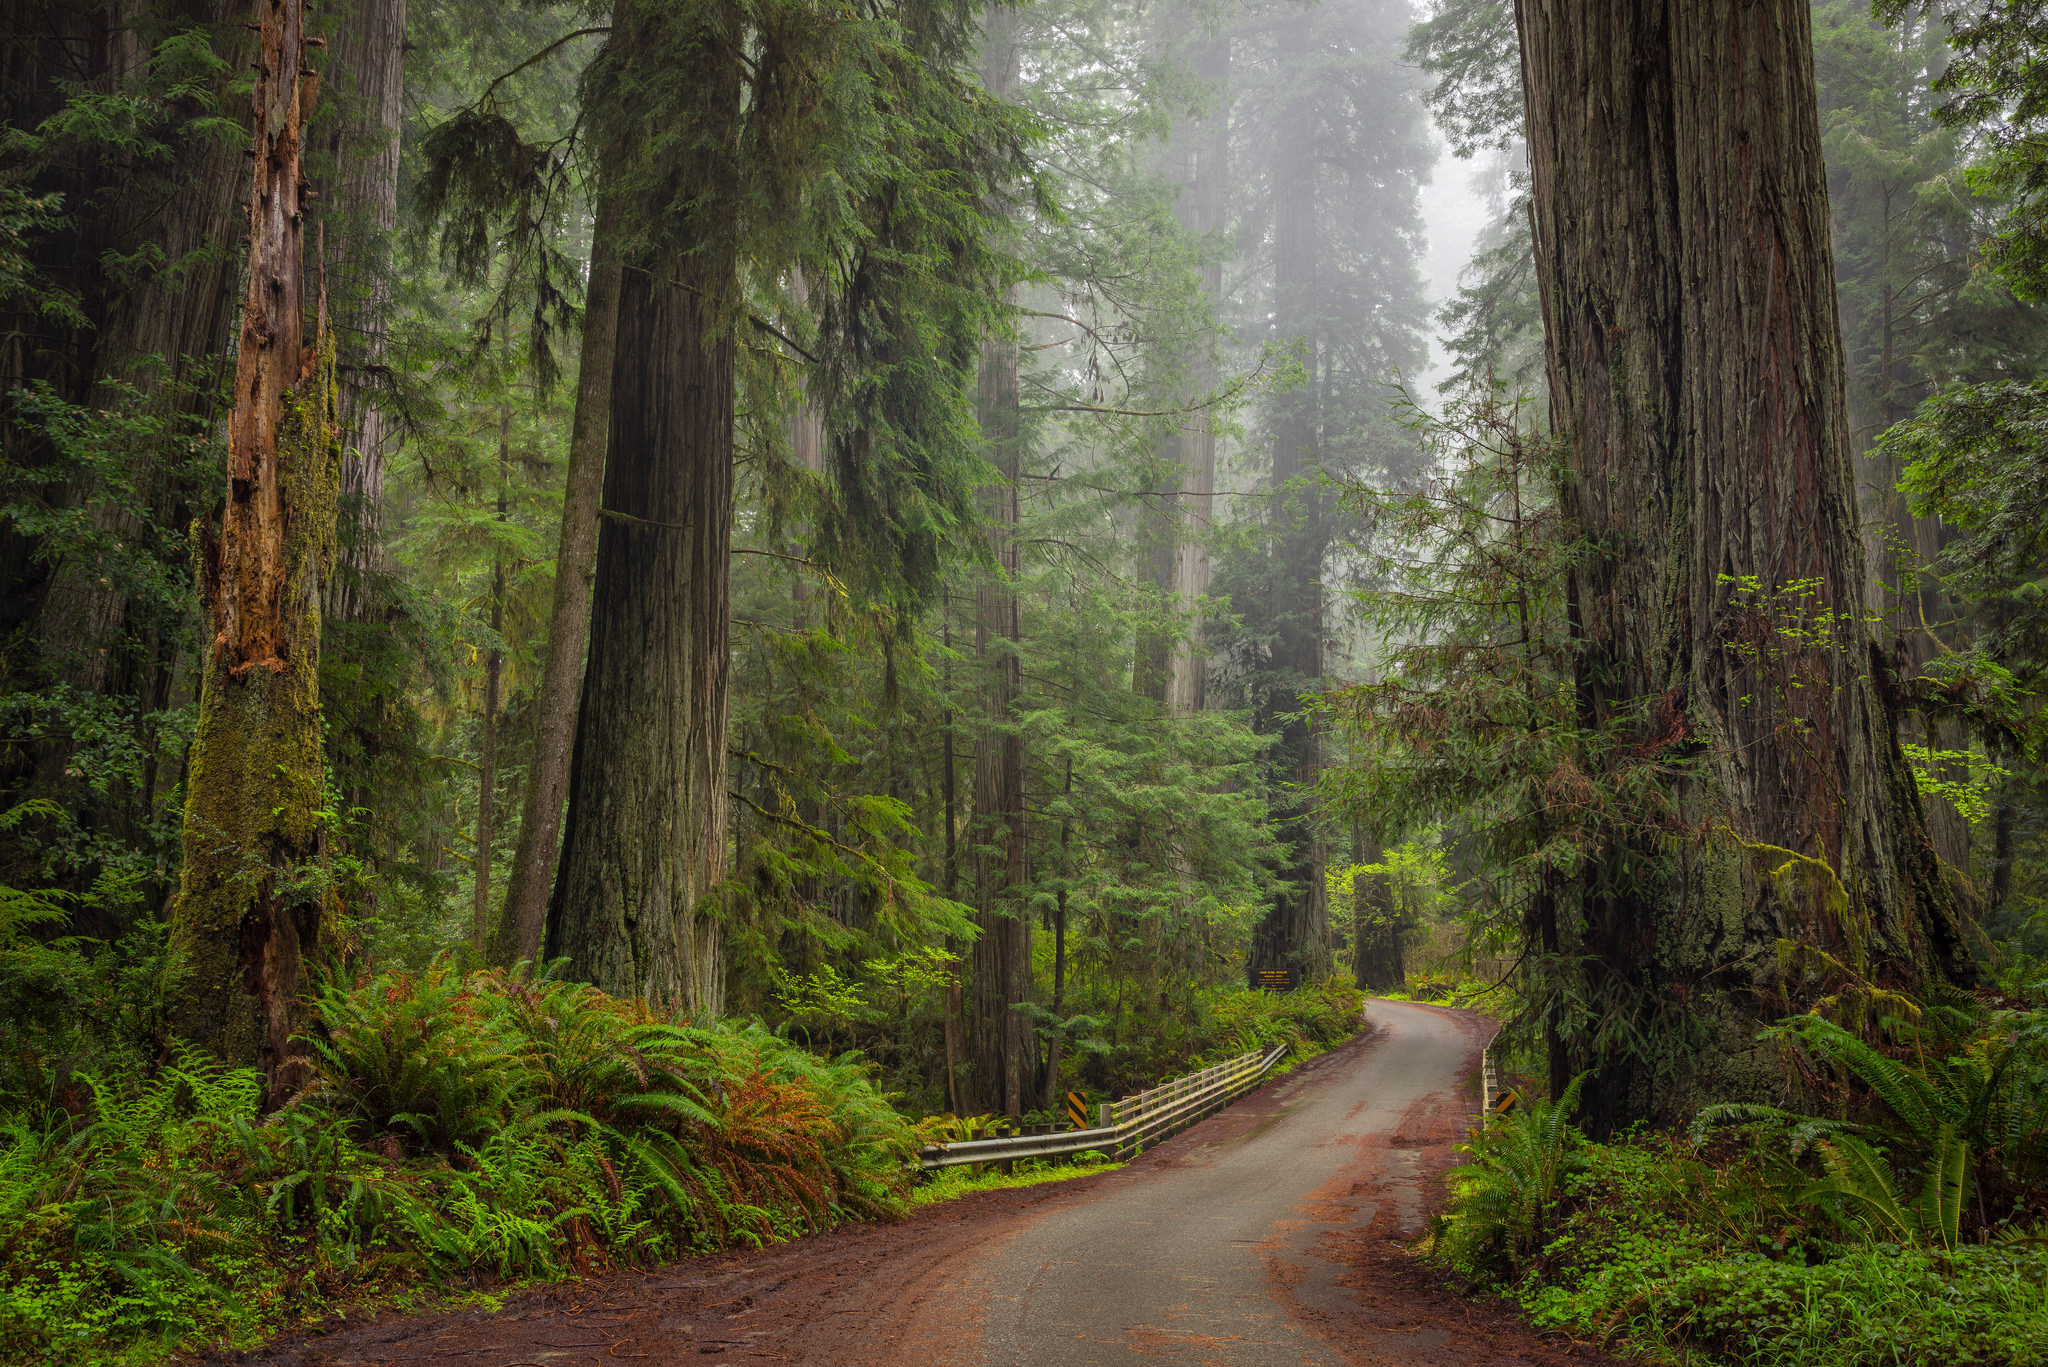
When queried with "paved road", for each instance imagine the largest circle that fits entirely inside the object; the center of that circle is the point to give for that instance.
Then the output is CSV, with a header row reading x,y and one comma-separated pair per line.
x,y
1232,1252
1269,1234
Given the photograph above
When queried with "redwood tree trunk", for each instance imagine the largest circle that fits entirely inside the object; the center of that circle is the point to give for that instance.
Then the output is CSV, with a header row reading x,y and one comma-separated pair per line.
x,y
253,899
1687,277
645,843
532,876
359,202
1169,670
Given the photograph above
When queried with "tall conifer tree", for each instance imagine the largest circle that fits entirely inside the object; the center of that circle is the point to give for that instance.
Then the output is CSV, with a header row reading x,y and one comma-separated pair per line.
x,y
1682,246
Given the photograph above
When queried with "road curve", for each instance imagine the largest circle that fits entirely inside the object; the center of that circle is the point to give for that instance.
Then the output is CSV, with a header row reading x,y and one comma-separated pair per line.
x,y
1223,1255
1269,1234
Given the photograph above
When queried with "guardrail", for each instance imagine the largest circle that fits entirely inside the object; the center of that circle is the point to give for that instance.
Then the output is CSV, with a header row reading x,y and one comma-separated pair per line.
x,y
1489,1082
1126,1126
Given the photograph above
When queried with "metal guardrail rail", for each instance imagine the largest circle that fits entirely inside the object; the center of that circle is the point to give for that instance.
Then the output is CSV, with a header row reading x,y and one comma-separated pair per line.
x,y
1125,1126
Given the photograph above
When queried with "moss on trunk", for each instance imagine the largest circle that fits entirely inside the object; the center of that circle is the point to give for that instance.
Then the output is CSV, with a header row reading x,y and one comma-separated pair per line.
x,y
252,904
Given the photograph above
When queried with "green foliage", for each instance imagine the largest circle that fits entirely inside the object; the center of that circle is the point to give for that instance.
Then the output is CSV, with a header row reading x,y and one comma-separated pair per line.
x,y
454,1131
1896,1230
1676,1259
1975,456
1502,1197
1313,1018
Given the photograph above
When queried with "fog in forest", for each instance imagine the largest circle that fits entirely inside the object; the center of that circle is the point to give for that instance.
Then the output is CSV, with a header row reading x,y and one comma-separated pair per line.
x,y
629,630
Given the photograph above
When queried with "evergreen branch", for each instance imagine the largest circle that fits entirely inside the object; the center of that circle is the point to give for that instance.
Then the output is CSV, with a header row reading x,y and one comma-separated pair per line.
x,y
537,57
779,335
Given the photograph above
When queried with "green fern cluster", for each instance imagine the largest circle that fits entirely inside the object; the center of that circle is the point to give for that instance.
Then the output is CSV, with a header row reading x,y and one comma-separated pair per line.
x,y
456,1133
1504,1195
1900,1228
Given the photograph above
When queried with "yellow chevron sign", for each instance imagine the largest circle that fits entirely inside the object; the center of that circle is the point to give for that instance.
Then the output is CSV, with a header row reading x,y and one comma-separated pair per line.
x,y
1077,1110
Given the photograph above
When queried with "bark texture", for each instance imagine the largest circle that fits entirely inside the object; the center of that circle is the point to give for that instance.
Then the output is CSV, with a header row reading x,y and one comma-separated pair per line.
x,y
252,904
645,843
532,878
635,906
365,94
1682,248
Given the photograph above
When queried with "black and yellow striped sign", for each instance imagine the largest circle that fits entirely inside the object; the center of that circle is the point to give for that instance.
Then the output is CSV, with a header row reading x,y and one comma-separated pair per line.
x,y
1077,1110
1505,1102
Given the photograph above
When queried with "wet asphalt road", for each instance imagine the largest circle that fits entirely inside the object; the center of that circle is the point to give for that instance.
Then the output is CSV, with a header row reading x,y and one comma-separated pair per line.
x,y
1229,1256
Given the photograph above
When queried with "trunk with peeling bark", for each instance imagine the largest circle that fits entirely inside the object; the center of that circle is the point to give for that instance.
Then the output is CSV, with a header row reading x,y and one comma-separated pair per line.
x,y
1683,253
253,904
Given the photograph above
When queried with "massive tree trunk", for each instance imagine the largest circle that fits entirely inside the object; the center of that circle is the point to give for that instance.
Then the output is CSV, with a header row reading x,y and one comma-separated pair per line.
x,y
253,900
365,92
645,843
1687,281
532,877
1294,934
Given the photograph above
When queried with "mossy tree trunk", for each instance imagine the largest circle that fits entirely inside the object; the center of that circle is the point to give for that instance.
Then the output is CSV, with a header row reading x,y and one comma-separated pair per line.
x,y
1687,277
254,902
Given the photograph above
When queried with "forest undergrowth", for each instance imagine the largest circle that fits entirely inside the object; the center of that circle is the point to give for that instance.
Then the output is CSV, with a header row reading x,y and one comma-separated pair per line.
x,y
451,1135
1903,1222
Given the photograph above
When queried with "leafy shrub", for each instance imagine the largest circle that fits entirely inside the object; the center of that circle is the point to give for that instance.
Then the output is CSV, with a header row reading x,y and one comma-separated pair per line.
x,y
455,1131
1309,1020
